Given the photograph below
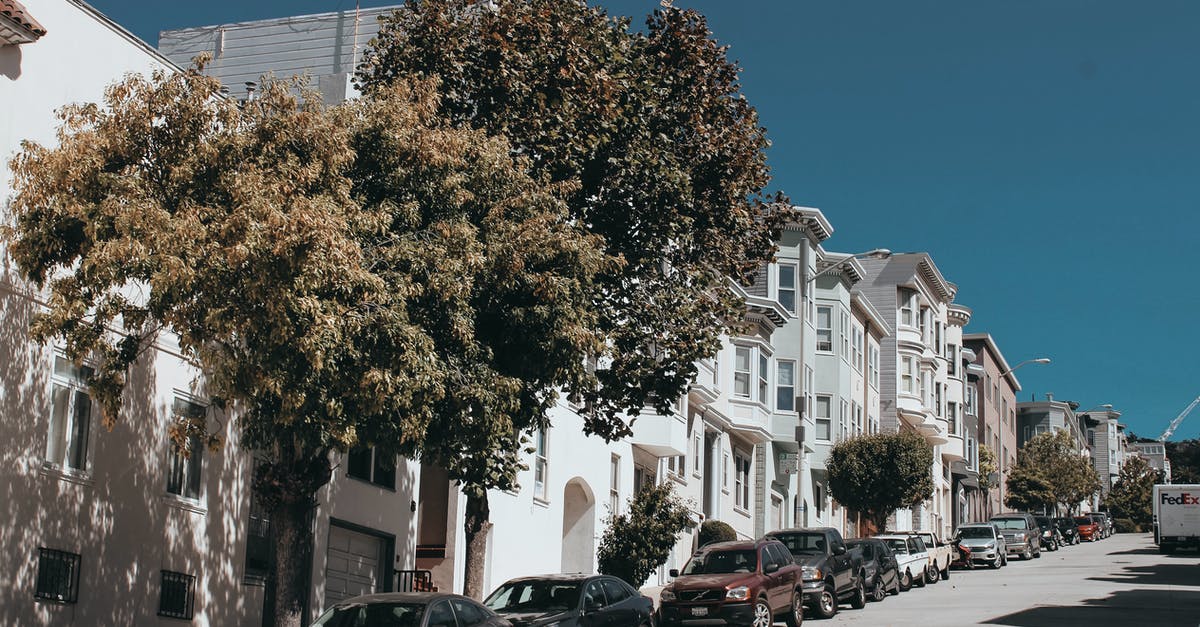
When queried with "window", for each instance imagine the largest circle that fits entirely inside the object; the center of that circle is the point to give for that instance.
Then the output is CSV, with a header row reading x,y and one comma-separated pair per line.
x,y
675,467
908,375
844,419
541,464
823,419
725,474
787,286
57,576
987,387
952,417
593,597
972,456
697,452
843,334
925,338
469,614
952,360
614,489
764,383
972,400
741,486
937,399
741,371
70,416
908,304
368,464
874,366
825,328
440,615
858,418
615,591
808,389
785,385
996,398
258,541
183,478
1004,412
642,477
856,356
176,595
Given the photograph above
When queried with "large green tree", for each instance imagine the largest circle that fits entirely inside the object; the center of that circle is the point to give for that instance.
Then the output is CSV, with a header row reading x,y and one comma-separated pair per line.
x,y
666,158
362,275
1132,496
878,474
1051,471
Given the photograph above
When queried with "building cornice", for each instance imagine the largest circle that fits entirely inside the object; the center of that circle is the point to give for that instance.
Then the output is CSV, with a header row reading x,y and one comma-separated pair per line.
x,y
990,344
930,273
958,315
766,311
811,221
878,325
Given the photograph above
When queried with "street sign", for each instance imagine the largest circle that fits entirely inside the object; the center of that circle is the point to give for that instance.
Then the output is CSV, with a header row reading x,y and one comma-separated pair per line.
x,y
789,463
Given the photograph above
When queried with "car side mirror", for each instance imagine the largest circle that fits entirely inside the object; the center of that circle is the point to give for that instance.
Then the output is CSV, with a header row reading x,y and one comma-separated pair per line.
x,y
770,567
674,572
839,549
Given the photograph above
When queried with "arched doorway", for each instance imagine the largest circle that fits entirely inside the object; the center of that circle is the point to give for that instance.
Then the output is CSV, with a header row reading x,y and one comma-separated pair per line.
x,y
579,527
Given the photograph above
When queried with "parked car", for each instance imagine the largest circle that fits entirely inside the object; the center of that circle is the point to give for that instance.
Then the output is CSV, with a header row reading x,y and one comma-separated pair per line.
x,y
1068,529
1088,528
941,553
879,565
741,583
911,558
410,609
569,600
1051,537
1021,534
981,543
831,573
1104,522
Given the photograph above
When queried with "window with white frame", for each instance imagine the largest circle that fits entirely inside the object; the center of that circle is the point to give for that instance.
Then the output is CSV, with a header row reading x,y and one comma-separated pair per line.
x,y
742,364
70,416
996,398
952,360
874,366
972,400
642,477
785,385
908,307
614,485
725,472
764,381
844,335
825,328
908,375
183,473
741,483
844,419
924,325
952,416
937,399
822,417
972,456
541,464
787,287
697,452
809,383
857,349
857,411
367,463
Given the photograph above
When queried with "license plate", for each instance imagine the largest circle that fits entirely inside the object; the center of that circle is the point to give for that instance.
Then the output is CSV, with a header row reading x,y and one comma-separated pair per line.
x,y
699,611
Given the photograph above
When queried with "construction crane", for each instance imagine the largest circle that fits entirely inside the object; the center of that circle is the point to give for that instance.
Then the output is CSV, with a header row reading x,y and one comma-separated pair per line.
x,y
1178,419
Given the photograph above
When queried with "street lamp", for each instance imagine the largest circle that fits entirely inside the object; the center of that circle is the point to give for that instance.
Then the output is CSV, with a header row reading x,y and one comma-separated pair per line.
x,y
1039,360
880,253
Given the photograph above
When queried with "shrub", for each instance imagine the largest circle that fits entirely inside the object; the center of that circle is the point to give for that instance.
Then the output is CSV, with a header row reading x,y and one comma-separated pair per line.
x,y
636,543
1126,525
715,531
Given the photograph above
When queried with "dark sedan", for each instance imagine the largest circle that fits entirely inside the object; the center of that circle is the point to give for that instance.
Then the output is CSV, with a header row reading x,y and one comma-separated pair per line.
x,y
575,600
410,609
879,563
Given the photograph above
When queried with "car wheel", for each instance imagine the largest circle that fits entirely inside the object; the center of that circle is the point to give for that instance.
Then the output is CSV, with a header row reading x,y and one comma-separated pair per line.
x,y
877,591
1027,554
998,563
896,585
859,600
795,615
946,573
1004,560
905,581
919,581
1038,553
762,614
827,605
931,574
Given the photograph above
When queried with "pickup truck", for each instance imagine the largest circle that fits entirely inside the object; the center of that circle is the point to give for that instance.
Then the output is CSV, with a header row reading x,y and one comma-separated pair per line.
x,y
941,554
912,558
831,572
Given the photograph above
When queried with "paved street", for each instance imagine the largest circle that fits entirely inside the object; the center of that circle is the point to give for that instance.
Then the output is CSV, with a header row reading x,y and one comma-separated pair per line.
x,y
1118,581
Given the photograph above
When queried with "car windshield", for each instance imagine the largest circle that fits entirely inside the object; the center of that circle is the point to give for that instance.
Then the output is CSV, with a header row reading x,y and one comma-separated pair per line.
x,y
899,545
534,596
802,543
975,532
722,562
868,552
371,614
1083,520
1009,523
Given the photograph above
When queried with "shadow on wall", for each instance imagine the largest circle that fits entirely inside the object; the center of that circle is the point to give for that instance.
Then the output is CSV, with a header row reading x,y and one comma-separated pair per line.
x,y
10,61
116,514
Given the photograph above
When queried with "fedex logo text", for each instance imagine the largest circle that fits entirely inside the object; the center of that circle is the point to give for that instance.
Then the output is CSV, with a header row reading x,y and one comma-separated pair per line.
x,y
1182,499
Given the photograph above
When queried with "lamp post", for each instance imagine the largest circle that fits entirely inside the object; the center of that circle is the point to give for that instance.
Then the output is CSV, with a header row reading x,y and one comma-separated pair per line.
x,y
1039,360
878,252
1000,461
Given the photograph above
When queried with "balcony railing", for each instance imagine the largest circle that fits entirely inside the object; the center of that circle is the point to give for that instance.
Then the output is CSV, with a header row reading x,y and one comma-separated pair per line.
x,y
415,581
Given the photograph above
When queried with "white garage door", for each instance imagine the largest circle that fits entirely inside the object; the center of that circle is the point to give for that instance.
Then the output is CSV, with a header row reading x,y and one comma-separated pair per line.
x,y
353,564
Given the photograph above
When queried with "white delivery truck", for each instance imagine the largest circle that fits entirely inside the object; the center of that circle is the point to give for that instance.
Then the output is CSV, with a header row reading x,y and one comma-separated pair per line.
x,y
1176,516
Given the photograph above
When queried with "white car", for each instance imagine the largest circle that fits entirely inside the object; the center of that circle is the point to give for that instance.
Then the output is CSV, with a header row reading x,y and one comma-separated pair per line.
x,y
912,558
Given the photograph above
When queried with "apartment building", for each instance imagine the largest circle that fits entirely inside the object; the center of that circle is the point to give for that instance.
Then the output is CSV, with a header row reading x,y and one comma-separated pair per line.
x,y
913,296
962,421
1106,435
995,396
1155,454
1037,417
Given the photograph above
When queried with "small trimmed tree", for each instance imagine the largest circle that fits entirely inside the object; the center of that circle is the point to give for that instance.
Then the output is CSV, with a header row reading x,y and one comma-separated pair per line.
x,y
639,541
878,474
715,531
1028,490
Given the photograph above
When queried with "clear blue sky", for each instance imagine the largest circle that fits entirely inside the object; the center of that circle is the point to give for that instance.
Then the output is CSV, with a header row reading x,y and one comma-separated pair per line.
x,y
1046,153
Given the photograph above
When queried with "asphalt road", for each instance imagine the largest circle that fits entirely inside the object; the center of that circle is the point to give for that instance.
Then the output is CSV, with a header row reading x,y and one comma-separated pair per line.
x,y
1121,581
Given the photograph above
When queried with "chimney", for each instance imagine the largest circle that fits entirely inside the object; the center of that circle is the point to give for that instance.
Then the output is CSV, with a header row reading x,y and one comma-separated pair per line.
x,y
1049,396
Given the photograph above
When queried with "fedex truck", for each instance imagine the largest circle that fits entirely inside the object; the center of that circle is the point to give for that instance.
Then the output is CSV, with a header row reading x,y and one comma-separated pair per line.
x,y
1176,517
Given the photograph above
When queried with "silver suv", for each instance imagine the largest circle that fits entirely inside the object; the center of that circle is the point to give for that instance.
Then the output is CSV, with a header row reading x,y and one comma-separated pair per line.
x,y
1022,536
984,544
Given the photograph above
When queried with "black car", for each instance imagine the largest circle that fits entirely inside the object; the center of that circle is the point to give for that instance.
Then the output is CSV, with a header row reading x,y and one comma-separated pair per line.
x,y
574,600
410,609
1068,529
883,573
1051,536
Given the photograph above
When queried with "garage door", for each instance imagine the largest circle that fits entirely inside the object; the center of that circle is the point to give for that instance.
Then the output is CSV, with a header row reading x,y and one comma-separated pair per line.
x,y
353,566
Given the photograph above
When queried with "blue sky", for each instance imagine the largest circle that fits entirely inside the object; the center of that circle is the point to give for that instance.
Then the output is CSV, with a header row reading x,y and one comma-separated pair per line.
x,y
1046,153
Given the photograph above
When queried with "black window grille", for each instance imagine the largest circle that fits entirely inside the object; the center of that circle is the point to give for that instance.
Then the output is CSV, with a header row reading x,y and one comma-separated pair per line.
x,y
177,594
58,576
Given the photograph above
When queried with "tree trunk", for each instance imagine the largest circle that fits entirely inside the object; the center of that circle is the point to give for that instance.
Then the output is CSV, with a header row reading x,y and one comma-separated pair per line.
x,y
476,525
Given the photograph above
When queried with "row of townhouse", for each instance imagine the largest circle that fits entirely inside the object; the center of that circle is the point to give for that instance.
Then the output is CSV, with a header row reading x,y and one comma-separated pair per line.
x,y
113,528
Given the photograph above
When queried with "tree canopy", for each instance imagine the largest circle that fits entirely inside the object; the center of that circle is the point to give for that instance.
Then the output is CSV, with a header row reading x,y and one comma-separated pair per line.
x,y
366,274
1051,471
640,540
878,474
1132,496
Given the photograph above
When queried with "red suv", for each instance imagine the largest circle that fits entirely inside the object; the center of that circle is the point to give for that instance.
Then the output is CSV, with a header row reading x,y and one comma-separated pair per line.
x,y
735,583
